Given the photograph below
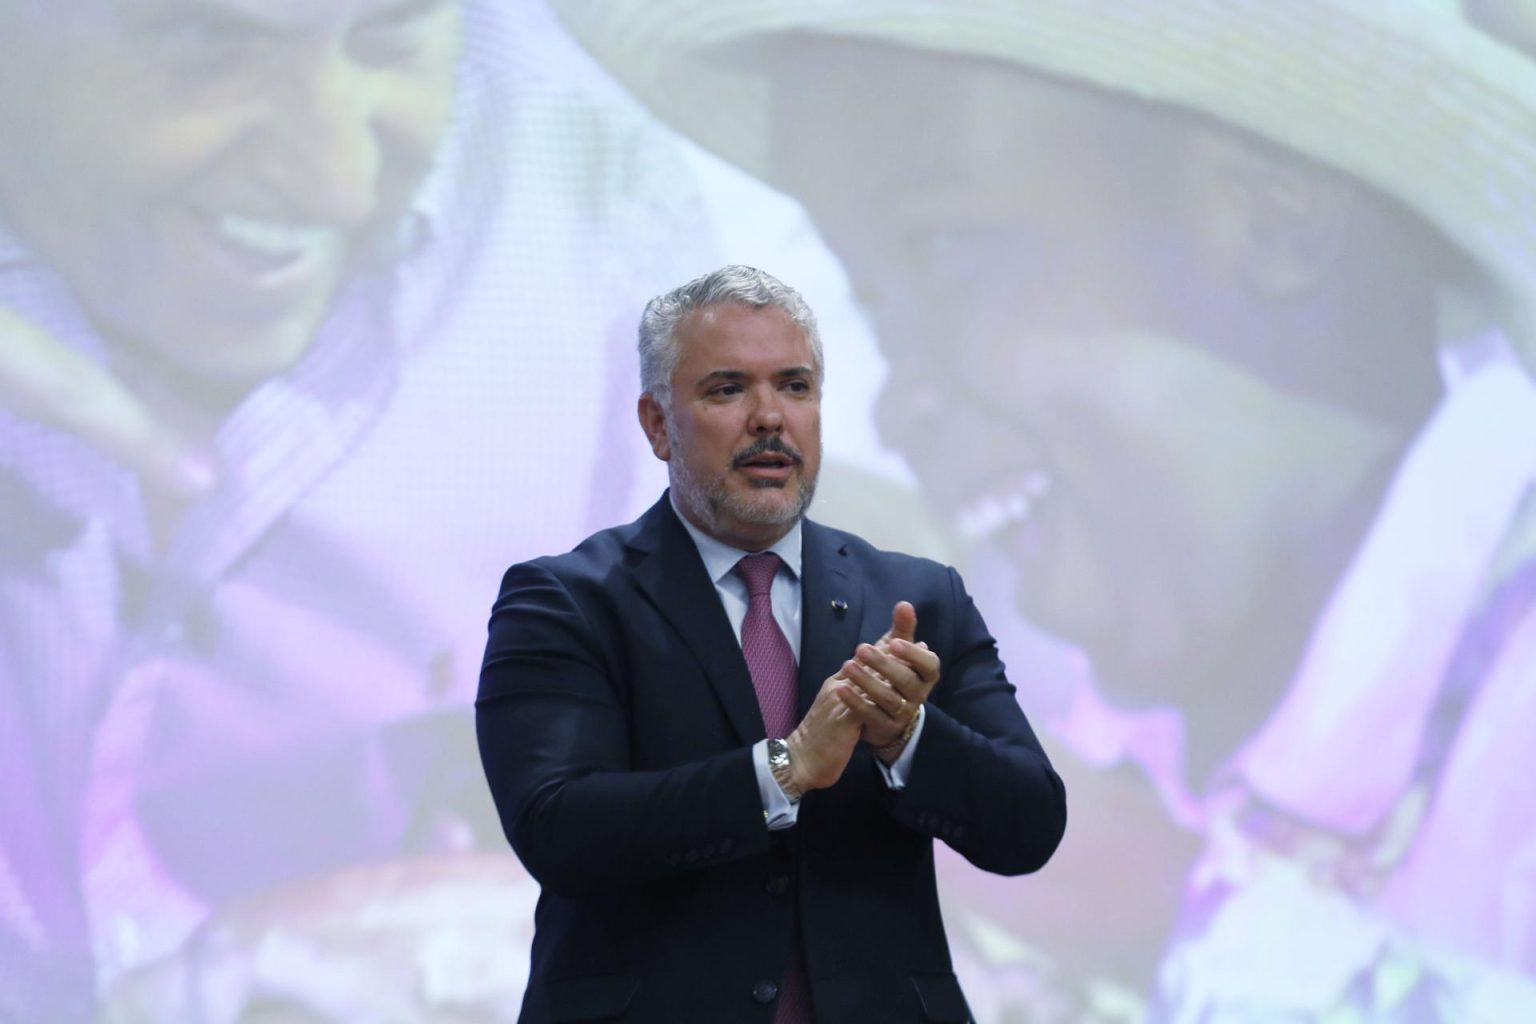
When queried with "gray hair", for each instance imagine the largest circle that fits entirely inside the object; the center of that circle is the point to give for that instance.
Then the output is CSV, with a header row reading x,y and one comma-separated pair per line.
x,y
659,352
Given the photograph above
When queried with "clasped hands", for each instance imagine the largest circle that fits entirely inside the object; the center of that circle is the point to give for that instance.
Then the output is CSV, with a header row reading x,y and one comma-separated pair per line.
x,y
873,698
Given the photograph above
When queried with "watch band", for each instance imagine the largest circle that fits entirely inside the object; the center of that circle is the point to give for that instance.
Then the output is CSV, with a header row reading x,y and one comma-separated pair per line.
x,y
778,764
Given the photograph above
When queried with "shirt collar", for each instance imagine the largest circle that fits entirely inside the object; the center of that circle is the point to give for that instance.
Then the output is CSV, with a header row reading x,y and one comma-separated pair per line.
x,y
720,558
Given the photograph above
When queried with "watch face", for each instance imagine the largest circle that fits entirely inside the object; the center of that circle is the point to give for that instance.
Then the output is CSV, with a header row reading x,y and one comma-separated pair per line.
x,y
778,753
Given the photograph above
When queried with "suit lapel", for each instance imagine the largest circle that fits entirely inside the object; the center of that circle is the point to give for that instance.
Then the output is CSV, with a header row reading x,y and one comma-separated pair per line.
x,y
832,609
672,576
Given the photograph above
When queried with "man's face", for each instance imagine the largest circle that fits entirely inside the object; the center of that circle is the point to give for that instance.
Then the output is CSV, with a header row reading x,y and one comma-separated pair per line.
x,y
1040,281
204,173
743,436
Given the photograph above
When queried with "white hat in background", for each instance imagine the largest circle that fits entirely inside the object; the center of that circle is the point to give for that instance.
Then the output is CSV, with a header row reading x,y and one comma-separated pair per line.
x,y
1407,95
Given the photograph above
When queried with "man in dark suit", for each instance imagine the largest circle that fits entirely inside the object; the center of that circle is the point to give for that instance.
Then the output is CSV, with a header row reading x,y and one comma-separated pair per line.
x,y
713,735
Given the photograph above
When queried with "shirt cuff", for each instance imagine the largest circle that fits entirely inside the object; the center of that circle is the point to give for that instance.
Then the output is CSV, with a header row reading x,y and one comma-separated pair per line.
x,y
778,811
896,774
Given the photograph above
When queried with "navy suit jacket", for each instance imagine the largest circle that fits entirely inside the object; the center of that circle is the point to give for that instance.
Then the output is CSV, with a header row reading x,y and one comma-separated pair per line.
x,y
616,718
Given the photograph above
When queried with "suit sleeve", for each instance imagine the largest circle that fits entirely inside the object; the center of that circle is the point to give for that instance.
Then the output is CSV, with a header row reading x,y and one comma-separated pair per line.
x,y
979,779
554,742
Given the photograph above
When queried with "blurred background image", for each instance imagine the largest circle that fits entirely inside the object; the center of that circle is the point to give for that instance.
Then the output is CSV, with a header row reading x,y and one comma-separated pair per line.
x,y
1198,333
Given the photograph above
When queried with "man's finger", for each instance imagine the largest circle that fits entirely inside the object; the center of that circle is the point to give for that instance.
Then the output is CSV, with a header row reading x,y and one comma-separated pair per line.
x,y
923,661
911,670
903,622
858,709
901,681
45,380
882,694
854,711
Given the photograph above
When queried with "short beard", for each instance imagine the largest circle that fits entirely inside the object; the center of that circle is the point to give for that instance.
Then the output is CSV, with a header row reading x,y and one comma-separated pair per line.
x,y
707,502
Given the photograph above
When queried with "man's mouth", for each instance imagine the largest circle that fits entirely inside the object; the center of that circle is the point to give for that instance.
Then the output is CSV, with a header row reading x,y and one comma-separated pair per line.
x,y
272,253
1000,511
769,461
767,468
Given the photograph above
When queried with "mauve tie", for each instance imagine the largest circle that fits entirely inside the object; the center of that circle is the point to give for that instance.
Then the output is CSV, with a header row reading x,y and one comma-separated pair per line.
x,y
772,665
769,658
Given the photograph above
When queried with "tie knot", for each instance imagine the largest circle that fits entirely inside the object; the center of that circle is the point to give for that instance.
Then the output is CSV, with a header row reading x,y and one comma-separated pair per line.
x,y
758,571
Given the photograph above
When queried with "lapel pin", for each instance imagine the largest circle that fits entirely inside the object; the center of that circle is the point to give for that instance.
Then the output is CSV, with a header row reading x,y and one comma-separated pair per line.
x,y
839,606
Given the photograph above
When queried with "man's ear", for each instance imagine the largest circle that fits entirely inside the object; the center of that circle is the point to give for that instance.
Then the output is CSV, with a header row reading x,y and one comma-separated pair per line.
x,y
653,420
1271,222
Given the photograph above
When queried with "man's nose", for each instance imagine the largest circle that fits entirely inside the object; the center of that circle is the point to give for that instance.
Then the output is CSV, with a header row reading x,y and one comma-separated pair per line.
x,y
323,153
767,413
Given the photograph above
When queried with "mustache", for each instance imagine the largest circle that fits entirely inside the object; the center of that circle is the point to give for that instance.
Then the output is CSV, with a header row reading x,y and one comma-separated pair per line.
x,y
765,445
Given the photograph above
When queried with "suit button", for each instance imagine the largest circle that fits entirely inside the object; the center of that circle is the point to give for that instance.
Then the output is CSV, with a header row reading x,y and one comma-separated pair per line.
x,y
709,851
726,846
765,991
692,857
674,859
777,885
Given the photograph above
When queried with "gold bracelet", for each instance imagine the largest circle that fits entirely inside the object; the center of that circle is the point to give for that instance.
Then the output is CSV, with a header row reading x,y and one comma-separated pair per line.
x,y
901,742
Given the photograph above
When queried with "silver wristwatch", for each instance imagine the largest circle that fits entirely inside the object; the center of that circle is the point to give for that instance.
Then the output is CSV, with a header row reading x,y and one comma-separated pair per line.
x,y
778,764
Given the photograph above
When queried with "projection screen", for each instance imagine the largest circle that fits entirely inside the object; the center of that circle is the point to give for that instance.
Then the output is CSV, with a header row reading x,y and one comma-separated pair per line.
x,y
1197,334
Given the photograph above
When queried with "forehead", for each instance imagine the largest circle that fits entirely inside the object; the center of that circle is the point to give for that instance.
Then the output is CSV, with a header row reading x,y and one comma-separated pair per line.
x,y
736,336
929,120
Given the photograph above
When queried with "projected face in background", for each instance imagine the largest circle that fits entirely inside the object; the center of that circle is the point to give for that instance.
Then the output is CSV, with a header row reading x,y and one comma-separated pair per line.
x,y
1135,355
203,173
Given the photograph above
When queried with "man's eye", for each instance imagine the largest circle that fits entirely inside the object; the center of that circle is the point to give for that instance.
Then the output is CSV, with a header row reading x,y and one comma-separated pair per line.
x,y
192,45
400,35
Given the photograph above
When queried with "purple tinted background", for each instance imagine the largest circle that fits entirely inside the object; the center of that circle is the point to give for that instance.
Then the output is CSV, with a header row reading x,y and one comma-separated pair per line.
x,y
239,780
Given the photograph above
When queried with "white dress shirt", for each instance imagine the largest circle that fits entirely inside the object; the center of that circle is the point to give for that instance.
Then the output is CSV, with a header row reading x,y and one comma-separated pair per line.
x,y
720,562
